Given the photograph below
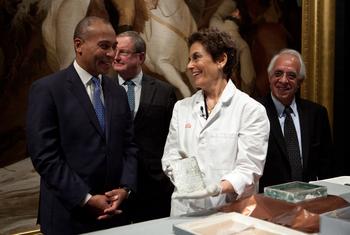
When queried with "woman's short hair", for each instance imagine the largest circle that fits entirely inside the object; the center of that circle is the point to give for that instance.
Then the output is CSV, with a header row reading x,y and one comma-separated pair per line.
x,y
216,43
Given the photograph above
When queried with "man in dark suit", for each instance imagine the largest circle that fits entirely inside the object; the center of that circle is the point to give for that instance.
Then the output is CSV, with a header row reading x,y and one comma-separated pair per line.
x,y
80,138
151,104
314,142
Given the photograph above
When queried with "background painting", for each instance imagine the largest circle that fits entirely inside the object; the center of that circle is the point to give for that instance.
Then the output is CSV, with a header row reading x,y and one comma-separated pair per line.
x,y
266,25
22,60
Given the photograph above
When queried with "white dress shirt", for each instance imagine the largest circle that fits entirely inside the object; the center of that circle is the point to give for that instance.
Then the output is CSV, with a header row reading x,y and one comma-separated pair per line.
x,y
86,80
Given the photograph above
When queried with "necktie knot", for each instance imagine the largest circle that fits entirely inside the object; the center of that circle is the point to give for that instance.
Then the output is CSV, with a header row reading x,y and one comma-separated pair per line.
x,y
96,81
129,83
288,110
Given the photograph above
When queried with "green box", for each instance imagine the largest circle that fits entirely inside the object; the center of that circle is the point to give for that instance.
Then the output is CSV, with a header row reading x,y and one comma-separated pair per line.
x,y
295,191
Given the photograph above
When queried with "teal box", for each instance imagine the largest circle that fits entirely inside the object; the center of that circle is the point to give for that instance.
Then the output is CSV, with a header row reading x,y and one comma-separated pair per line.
x,y
295,191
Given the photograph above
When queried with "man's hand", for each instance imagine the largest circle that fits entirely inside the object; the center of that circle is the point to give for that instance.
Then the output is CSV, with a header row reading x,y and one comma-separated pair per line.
x,y
116,197
210,191
97,204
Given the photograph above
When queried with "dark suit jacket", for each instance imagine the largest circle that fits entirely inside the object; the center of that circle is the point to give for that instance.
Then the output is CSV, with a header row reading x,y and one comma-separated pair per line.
x,y
151,123
316,140
72,154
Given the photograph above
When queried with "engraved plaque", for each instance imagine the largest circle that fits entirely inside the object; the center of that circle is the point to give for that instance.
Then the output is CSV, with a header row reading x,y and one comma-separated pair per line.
x,y
187,175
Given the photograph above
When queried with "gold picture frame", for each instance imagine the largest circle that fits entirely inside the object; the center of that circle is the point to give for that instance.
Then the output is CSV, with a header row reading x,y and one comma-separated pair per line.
x,y
317,48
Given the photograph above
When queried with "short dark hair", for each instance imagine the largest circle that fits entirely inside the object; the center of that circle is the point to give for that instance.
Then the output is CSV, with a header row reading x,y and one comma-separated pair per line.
x,y
81,28
139,43
216,43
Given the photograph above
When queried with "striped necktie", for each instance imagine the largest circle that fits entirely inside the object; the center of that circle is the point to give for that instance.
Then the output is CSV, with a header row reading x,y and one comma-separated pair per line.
x,y
97,102
131,95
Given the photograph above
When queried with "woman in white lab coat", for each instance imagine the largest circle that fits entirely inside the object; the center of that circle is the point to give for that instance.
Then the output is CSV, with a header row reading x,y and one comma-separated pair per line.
x,y
223,128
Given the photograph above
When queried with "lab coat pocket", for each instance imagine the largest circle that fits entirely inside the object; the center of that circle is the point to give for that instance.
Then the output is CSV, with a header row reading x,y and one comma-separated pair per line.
x,y
222,148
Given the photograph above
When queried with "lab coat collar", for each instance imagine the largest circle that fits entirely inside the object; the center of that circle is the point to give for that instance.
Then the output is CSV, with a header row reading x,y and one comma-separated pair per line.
x,y
228,93
224,100
226,96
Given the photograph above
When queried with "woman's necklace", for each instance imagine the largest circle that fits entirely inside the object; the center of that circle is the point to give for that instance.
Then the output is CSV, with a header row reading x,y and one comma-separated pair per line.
x,y
208,109
209,106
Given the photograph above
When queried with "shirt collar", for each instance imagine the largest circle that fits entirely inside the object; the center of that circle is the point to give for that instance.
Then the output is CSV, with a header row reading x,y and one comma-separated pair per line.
x,y
137,79
280,107
83,74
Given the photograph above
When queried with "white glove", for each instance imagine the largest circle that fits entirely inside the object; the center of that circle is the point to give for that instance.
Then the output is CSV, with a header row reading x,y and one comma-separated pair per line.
x,y
210,191
169,172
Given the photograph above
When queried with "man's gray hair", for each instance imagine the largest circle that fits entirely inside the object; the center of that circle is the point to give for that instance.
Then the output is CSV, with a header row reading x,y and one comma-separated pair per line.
x,y
302,70
139,43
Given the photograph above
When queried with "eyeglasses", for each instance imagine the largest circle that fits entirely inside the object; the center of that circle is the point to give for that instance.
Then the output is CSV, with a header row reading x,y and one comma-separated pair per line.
x,y
289,75
126,53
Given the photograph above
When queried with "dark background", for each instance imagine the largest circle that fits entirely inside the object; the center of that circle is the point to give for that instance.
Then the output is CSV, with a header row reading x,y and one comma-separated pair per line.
x,y
342,157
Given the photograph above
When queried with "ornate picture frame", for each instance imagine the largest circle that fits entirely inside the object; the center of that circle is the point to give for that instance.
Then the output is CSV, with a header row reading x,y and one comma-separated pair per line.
x,y
317,48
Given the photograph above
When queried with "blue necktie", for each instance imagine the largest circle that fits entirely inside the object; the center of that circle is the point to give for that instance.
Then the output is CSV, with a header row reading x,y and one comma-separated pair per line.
x,y
97,102
292,144
131,95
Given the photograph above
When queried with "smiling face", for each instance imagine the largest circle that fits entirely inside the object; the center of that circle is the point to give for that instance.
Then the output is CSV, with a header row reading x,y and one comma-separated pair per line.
x,y
205,71
96,49
285,79
127,62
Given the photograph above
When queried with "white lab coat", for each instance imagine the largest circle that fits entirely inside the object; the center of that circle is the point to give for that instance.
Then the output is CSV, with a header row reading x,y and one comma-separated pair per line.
x,y
230,145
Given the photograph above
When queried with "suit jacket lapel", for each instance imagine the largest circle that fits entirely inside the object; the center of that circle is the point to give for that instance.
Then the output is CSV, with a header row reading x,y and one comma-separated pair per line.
x,y
276,130
79,91
147,95
108,104
304,130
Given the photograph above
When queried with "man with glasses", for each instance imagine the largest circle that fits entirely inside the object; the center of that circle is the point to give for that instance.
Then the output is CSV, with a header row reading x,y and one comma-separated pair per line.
x,y
300,143
151,103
